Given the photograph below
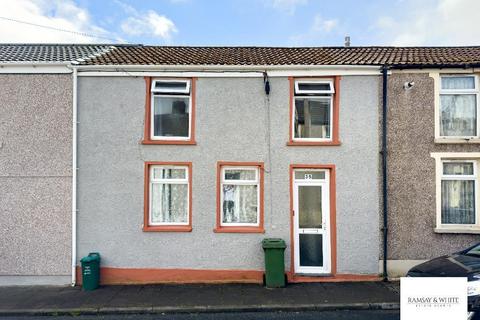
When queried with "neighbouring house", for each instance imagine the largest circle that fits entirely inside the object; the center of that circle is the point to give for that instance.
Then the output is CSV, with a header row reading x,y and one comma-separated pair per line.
x,y
433,156
188,157
35,161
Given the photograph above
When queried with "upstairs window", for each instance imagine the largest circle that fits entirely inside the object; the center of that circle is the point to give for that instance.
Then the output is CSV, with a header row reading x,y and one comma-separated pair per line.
x,y
170,111
314,112
459,106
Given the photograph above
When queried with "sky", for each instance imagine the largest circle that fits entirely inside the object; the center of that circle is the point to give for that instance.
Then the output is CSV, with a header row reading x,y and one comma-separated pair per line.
x,y
242,22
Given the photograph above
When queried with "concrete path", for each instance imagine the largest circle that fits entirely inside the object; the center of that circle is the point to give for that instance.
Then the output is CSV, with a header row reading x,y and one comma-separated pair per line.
x,y
198,298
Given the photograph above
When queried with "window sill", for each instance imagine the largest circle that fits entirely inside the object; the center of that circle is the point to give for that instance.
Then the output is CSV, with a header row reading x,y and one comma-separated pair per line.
x,y
239,230
313,143
457,140
169,142
167,229
475,230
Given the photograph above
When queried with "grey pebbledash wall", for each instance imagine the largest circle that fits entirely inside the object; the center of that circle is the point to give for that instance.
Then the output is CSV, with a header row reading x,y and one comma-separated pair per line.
x,y
35,178
231,125
411,172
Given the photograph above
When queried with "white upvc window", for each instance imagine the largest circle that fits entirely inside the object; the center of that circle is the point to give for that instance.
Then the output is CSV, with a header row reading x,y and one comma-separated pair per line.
x,y
312,119
169,195
171,106
459,192
240,196
459,107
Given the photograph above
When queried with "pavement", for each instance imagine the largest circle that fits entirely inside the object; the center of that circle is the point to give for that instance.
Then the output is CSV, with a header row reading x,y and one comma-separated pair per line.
x,y
197,298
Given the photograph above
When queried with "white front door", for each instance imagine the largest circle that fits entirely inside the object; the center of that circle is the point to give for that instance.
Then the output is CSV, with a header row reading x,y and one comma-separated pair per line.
x,y
311,205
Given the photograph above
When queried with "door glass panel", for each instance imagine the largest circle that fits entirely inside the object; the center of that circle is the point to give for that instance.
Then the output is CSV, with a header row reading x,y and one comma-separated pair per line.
x,y
311,250
310,207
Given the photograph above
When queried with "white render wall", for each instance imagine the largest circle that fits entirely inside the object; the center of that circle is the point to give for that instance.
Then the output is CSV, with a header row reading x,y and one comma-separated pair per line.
x,y
231,125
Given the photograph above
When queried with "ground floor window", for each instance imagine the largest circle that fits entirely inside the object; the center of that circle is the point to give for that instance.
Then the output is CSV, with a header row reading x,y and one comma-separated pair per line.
x,y
457,196
168,196
240,197
458,192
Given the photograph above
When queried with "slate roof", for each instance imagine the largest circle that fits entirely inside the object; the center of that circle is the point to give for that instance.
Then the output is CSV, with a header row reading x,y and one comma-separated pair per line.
x,y
228,56
49,53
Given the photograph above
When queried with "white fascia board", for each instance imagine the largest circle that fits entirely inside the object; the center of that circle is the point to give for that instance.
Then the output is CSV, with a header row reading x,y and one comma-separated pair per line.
x,y
226,71
29,67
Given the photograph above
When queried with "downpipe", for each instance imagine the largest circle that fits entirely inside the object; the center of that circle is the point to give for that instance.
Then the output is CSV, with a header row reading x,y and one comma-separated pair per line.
x,y
74,178
384,170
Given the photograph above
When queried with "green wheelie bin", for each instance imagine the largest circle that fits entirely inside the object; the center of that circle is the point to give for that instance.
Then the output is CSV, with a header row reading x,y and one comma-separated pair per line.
x,y
90,271
274,262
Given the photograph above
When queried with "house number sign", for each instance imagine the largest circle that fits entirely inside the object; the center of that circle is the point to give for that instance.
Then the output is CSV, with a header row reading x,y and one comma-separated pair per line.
x,y
308,176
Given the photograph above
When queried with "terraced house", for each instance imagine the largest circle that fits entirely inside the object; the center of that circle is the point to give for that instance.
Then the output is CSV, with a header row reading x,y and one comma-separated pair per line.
x,y
189,156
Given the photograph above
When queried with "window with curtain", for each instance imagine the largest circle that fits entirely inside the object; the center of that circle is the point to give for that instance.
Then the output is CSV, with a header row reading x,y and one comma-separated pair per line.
x,y
239,194
458,191
313,110
459,106
170,109
169,195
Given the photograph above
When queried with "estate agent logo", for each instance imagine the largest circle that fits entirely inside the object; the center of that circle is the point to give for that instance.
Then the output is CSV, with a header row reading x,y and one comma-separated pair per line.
x,y
433,298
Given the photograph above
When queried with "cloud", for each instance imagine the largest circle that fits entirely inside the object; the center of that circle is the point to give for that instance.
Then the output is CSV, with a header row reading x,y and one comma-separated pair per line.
x,y
287,6
442,22
323,25
149,23
319,30
57,14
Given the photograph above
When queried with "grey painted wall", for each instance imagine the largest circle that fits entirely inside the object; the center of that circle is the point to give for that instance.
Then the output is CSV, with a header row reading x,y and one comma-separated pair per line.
x,y
411,172
35,178
231,125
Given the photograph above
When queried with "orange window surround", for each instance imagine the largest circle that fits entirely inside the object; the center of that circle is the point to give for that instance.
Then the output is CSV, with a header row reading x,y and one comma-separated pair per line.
x,y
148,114
240,229
146,205
335,109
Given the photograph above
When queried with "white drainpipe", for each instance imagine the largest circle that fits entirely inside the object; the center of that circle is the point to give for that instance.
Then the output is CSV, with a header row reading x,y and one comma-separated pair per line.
x,y
74,179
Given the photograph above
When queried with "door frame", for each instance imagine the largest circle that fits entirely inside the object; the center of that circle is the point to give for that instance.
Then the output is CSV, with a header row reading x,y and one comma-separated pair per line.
x,y
324,186
332,227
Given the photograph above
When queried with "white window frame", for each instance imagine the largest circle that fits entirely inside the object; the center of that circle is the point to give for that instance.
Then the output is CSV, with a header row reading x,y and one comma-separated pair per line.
x,y
438,118
185,91
256,182
153,181
313,94
466,178
300,92
163,93
461,157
